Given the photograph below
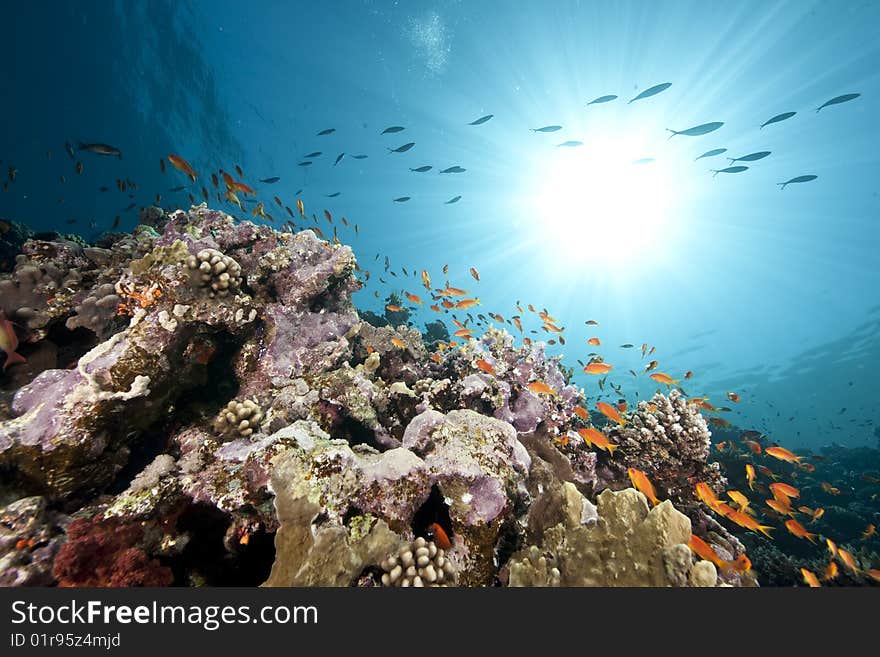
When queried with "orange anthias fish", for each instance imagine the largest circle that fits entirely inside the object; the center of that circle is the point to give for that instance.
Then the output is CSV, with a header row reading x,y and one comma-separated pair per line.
x,y
436,357
241,187
732,396
706,495
828,488
783,454
426,280
831,571
848,560
435,308
541,388
467,303
594,437
397,342
230,196
742,564
739,499
750,475
719,422
610,412
797,529
755,447
597,368
475,273
810,578
642,484
486,366
703,550
414,298
622,406
518,324
869,532
779,506
441,540
784,489
463,333
182,165
874,573
749,523
9,343
453,292
832,547
594,341
582,413
300,207
660,377
393,308
446,303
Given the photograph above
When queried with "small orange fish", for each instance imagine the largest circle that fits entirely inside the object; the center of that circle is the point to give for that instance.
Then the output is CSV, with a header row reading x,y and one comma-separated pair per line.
x,y
241,187
541,388
394,308
706,495
832,547
780,507
329,216
475,273
818,513
753,446
807,467
874,573
582,413
594,437
426,280
463,333
230,196
797,529
435,357
518,324
453,292
660,377
486,366
441,540
810,578
597,368
828,488
642,484
594,341
413,298
750,475
182,165
688,374
446,303
467,303
784,489
831,571
435,308
397,342
722,445
718,422
749,523
703,550
783,454
848,560
739,499
610,412
869,532
732,396
300,207
9,343
742,564
622,406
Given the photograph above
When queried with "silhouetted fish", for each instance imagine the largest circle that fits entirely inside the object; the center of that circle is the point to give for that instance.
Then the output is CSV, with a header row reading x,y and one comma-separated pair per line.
x,y
311,155
333,195
837,100
392,129
696,131
304,164
644,160
653,91
455,169
454,199
738,169
100,149
427,167
569,144
359,157
270,181
69,148
603,99
177,189
402,199
481,120
751,157
547,128
799,179
712,153
779,117
339,158
326,132
402,149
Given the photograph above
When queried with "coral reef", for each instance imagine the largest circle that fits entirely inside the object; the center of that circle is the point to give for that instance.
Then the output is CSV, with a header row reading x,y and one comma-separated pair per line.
x,y
228,417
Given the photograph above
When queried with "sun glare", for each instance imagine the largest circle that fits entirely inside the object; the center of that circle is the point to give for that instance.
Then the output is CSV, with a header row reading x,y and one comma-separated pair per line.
x,y
605,201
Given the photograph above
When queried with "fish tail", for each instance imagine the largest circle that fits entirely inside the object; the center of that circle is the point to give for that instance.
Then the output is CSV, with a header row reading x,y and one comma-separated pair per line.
x,y
765,529
12,358
672,135
783,185
611,449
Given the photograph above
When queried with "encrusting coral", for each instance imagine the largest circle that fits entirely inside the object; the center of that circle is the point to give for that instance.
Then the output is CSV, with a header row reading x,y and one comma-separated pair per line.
x,y
266,424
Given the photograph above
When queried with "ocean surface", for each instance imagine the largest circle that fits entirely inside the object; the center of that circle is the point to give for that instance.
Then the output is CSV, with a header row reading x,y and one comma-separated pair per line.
x,y
767,292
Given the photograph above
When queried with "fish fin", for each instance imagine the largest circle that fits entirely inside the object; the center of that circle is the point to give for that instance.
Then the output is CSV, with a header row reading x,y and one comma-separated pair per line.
x,y
13,358
611,449
672,135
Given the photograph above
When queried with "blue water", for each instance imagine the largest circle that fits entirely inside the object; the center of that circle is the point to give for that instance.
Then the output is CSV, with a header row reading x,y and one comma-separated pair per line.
x,y
771,294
